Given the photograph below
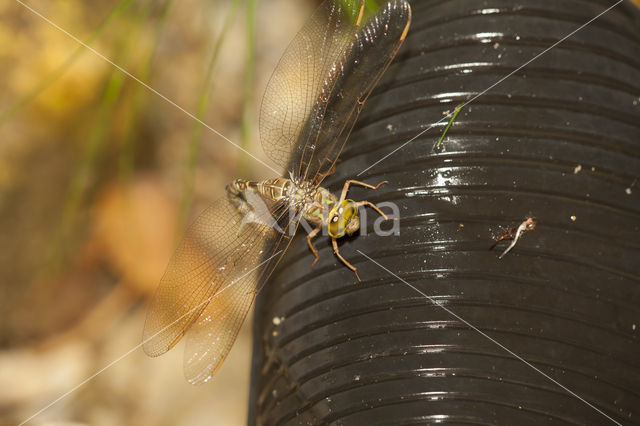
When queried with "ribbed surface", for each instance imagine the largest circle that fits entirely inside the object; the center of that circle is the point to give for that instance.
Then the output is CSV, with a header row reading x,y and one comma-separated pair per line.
x,y
566,299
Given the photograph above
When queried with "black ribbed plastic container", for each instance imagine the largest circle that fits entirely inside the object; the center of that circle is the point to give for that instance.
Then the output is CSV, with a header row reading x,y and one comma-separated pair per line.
x,y
559,141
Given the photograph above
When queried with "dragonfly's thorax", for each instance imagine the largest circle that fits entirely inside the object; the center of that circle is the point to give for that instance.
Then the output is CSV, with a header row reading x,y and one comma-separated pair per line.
x,y
302,193
312,201
317,210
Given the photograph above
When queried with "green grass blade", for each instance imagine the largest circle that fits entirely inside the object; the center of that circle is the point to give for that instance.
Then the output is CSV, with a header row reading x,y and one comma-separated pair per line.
x,y
80,181
203,104
127,153
249,84
453,117
93,149
58,72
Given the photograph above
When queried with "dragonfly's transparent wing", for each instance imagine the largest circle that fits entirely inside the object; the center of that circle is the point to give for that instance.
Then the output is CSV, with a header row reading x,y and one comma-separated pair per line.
x,y
335,113
211,336
301,76
323,80
215,270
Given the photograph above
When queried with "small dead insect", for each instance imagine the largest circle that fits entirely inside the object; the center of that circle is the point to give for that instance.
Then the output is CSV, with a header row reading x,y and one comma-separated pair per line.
x,y
514,233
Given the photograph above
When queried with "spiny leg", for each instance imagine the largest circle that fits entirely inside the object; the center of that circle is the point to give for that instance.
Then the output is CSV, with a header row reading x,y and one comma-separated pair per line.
x,y
373,206
345,188
347,264
329,172
313,249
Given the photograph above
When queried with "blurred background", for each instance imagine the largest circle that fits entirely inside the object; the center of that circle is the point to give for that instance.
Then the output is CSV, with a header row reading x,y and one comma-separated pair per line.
x,y
99,176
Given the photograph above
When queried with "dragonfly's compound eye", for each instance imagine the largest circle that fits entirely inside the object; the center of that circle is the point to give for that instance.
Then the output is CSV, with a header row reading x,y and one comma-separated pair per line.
x,y
344,219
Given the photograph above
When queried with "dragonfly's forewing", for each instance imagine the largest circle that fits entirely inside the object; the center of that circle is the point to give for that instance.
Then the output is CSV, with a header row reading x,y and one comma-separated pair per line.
x,y
323,80
211,281
301,75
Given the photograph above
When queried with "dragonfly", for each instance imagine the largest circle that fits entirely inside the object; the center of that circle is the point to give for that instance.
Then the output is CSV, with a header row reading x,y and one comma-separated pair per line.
x,y
309,108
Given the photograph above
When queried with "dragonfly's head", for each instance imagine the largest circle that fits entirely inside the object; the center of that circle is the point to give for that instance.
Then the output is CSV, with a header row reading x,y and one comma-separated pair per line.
x,y
344,219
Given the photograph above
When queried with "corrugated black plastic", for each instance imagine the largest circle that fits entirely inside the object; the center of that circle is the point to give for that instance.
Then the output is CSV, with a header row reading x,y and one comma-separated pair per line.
x,y
566,299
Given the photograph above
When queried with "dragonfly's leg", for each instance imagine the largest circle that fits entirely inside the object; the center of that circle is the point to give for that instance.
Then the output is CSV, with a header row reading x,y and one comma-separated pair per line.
x,y
347,264
373,206
329,172
345,188
313,249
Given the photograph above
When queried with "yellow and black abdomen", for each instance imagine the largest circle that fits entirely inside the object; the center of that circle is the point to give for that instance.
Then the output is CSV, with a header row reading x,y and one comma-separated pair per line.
x,y
272,189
